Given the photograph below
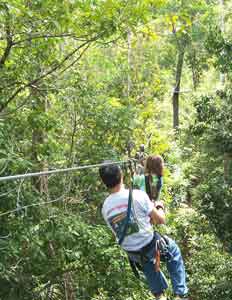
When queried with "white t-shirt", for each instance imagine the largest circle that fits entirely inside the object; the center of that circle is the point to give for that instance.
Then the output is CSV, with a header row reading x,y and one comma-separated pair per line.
x,y
114,211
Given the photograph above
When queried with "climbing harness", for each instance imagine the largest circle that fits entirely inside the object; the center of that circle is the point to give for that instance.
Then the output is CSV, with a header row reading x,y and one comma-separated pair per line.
x,y
127,217
159,247
148,185
130,200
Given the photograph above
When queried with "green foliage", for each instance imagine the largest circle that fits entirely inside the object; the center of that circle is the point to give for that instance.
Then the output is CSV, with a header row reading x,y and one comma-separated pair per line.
x,y
213,123
62,246
212,141
74,90
220,47
206,262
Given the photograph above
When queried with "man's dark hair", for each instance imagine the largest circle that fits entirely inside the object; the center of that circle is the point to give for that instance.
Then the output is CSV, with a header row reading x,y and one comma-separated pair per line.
x,y
111,175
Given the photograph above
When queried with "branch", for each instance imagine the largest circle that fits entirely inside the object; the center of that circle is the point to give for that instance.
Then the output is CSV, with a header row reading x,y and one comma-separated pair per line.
x,y
6,114
47,36
9,85
86,48
111,41
6,53
75,60
49,72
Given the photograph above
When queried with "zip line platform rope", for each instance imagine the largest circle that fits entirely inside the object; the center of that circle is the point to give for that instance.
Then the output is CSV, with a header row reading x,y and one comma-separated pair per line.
x,y
50,172
58,171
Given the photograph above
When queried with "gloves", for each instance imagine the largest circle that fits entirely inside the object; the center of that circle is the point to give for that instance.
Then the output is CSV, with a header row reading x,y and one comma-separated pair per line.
x,y
159,204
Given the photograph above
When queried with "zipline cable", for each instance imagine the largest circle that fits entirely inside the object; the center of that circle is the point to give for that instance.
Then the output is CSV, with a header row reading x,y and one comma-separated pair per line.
x,y
57,171
31,205
22,176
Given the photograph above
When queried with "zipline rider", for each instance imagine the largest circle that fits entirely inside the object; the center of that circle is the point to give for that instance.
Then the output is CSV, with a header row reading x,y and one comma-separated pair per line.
x,y
151,181
130,215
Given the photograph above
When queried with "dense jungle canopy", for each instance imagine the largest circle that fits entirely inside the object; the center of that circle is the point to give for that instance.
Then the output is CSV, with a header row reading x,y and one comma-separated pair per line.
x,y
80,82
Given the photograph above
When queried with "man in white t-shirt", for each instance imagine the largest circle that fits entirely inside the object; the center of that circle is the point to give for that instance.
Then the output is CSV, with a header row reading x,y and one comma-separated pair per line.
x,y
140,241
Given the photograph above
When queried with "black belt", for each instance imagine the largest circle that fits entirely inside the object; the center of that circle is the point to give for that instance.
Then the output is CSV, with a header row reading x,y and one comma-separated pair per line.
x,y
142,253
144,249
147,247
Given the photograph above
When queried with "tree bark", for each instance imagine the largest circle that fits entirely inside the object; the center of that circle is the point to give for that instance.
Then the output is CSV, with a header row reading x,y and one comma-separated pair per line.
x,y
222,27
73,118
227,166
68,285
38,138
129,54
9,41
176,92
195,71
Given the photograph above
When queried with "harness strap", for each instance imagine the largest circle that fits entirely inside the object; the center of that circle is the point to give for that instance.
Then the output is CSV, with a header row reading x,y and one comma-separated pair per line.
x,y
160,244
148,186
134,268
157,257
121,239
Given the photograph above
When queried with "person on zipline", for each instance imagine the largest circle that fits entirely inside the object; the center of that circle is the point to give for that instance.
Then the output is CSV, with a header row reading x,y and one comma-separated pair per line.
x,y
143,246
151,181
140,156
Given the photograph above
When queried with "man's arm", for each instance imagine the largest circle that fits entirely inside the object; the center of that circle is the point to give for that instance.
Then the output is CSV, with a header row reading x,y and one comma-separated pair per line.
x,y
157,216
154,210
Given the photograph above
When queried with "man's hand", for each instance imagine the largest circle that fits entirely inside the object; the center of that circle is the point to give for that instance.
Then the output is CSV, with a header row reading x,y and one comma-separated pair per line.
x,y
159,205
157,216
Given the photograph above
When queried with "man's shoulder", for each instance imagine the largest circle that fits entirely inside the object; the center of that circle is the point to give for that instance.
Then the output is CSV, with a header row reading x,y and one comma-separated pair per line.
x,y
104,205
139,193
112,197
107,199
114,200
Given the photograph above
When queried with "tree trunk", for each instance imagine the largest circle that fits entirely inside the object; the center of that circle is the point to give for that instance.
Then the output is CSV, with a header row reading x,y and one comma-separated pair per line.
x,y
73,120
195,71
129,63
38,138
68,285
222,27
227,167
176,92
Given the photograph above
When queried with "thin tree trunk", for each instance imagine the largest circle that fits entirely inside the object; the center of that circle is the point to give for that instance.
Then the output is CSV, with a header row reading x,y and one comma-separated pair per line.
x,y
129,63
227,166
195,73
44,179
39,138
222,19
74,131
222,27
9,41
68,284
176,92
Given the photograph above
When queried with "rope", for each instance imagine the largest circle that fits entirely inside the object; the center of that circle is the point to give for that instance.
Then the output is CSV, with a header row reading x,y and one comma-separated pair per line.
x,y
57,171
